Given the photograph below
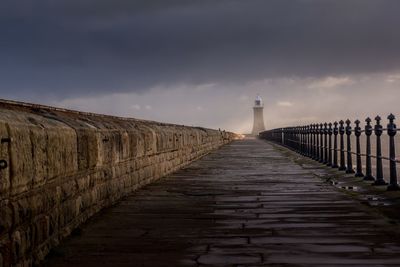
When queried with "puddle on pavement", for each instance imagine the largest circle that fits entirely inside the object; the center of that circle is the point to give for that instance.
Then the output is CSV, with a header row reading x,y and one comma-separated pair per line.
x,y
345,187
377,201
350,188
333,182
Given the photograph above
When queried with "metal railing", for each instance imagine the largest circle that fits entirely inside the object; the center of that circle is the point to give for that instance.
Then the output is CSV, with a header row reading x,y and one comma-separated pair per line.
x,y
325,143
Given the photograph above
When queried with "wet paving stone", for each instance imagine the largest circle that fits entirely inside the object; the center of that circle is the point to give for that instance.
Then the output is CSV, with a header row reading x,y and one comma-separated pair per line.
x,y
246,204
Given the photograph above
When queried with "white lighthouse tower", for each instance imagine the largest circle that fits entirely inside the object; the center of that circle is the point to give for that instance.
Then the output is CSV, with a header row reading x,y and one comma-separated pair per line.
x,y
258,124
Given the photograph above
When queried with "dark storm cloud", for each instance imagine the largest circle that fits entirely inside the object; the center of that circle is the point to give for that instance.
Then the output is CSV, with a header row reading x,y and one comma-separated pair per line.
x,y
79,47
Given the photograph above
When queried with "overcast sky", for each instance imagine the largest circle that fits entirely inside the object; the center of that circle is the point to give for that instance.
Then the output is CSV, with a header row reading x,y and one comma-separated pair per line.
x,y
203,62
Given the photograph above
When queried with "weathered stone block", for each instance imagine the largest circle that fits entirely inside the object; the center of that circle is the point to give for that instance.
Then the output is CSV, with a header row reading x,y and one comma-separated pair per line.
x,y
40,161
62,152
83,183
68,189
17,248
125,142
40,230
21,162
21,211
133,143
88,148
53,222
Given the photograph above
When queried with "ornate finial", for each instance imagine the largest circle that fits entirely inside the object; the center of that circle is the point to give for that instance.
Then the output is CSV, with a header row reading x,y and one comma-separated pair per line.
x,y
357,129
391,128
378,126
348,127
368,127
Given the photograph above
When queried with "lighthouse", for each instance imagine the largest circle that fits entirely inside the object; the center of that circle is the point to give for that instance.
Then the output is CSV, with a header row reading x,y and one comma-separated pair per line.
x,y
258,123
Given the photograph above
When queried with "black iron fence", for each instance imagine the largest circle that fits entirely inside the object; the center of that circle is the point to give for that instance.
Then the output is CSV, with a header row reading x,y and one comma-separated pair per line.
x,y
325,143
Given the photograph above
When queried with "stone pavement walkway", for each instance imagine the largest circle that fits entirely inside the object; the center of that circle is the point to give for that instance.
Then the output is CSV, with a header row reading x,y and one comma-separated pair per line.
x,y
246,204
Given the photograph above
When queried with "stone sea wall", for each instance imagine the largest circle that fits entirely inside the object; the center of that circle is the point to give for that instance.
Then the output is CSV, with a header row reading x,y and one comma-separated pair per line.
x,y
58,168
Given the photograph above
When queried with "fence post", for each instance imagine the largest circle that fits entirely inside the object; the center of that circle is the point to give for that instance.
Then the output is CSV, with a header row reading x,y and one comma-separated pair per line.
x,y
287,136
305,138
379,168
330,144
342,166
303,150
321,151
326,143
391,130
300,140
349,155
368,132
284,136
357,132
314,151
308,141
316,142
305,130
292,142
317,139
335,145
301,130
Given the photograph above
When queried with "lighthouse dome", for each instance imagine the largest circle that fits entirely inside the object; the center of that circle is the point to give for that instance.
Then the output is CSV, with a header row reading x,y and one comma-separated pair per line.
x,y
258,102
